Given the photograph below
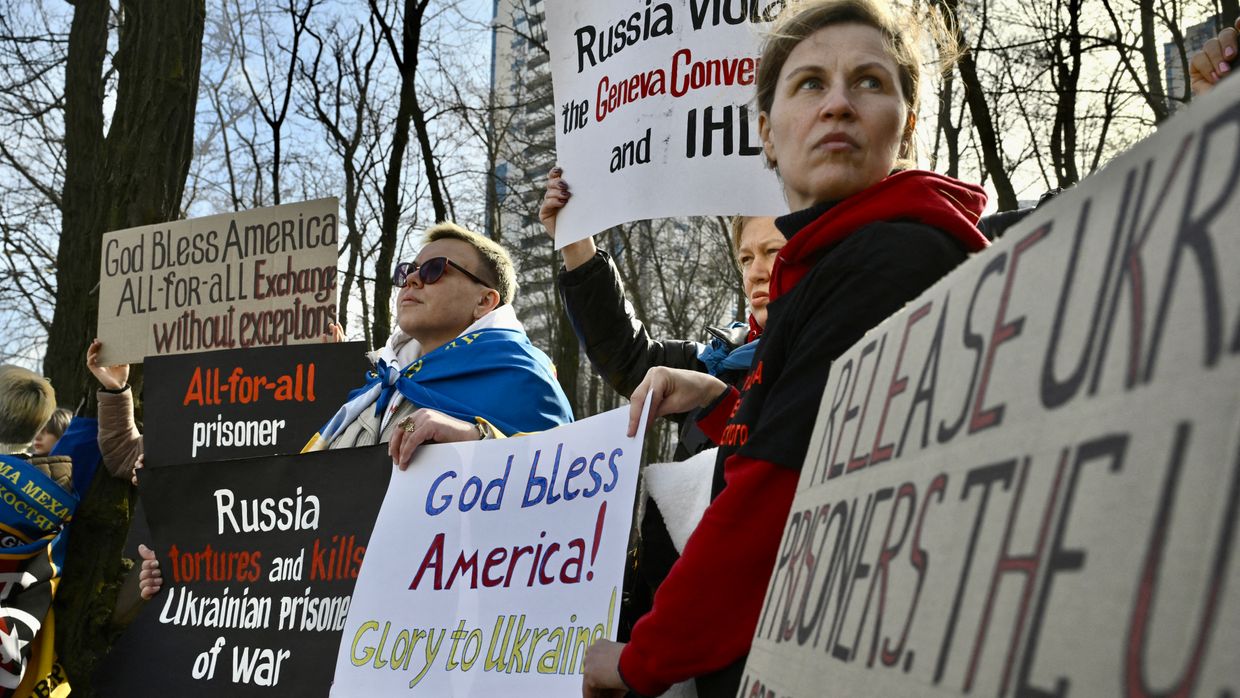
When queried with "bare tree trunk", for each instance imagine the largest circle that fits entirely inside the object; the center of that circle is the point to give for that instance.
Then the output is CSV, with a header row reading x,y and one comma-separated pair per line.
x,y
77,261
1151,88
438,200
134,177
406,59
948,131
975,96
1154,94
1067,72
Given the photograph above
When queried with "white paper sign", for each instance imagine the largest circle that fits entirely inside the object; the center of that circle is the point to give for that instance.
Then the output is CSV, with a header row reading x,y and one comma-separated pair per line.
x,y
1027,482
654,111
263,277
494,565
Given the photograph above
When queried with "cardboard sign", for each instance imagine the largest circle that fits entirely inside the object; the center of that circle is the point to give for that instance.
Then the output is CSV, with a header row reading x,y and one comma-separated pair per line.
x,y
245,402
494,565
259,558
654,111
1028,481
248,279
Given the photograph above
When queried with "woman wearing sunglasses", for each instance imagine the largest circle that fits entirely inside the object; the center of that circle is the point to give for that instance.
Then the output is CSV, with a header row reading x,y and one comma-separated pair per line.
x,y
456,358
449,370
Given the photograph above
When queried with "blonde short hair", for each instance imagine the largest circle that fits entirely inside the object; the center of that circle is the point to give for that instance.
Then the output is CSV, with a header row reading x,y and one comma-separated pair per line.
x,y
495,259
27,401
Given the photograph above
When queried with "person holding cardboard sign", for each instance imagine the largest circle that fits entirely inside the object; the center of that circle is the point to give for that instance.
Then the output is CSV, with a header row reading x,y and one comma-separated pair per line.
x,y
457,346
838,93
456,360
616,341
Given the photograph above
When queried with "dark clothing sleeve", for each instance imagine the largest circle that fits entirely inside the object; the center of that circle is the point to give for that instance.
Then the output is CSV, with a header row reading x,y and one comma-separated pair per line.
x,y
996,224
615,340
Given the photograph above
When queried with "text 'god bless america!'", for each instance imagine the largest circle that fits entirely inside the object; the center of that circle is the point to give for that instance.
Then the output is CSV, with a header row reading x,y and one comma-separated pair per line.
x,y
540,563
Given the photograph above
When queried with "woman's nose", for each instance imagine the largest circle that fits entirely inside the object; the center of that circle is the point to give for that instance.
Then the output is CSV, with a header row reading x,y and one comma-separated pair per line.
x,y
759,270
836,103
414,279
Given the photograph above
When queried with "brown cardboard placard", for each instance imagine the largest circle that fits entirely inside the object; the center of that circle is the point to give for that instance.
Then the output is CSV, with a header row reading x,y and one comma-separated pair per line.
x,y
1027,482
261,277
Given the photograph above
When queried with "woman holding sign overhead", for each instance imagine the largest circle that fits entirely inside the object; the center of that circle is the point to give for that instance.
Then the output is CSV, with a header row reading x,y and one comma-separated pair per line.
x,y
837,92
622,351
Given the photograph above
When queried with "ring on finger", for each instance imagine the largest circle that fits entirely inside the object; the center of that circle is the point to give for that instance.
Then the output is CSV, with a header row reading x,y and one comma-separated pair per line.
x,y
407,425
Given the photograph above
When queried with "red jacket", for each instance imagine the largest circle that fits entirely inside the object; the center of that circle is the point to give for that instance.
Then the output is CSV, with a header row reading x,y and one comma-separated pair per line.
x,y
845,268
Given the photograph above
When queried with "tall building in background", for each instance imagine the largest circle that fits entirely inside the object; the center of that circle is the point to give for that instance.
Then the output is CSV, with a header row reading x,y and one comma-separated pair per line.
x,y
678,273
523,139
1176,75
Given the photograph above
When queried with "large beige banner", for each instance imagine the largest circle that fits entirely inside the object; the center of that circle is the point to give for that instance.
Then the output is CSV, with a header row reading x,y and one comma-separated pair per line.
x,y
254,278
1027,483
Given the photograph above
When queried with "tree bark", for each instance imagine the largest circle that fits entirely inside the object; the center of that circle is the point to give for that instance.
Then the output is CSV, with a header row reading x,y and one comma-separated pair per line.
x,y
975,97
946,129
1154,94
440,202
77,260
135,176
1067,70
405,57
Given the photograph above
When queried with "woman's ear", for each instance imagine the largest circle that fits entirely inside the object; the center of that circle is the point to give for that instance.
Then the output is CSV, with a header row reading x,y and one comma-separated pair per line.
x,y
768,146
488,302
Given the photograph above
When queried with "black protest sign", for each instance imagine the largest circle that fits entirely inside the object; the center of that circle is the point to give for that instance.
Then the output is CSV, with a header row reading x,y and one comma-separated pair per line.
x,y
1027,482
259,559
245,402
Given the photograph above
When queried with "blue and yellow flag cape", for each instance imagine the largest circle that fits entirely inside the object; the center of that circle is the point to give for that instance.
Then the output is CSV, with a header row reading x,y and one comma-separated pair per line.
x,y
494,374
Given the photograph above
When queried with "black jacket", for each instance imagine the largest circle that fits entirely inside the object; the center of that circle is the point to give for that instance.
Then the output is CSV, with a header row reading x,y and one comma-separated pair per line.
x,y
620,348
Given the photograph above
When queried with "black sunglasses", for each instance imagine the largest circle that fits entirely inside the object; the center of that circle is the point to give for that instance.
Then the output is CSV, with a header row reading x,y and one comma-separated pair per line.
x,y
430,271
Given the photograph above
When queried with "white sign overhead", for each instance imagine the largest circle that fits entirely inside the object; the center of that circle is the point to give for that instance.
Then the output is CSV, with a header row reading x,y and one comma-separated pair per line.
x,y
654,111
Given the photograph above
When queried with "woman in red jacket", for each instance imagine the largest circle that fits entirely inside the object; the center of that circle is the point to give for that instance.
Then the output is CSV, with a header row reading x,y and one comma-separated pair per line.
x,y
837,92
